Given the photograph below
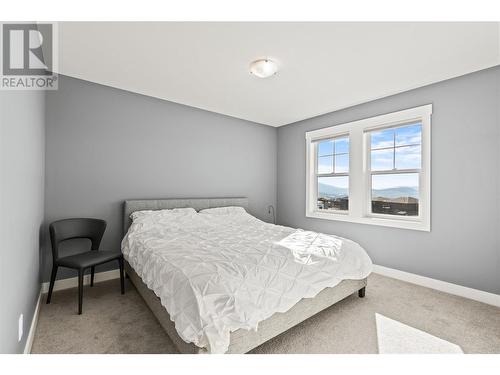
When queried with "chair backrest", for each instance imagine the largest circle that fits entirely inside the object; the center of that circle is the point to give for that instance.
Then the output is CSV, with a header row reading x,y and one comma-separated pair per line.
x,y
68,229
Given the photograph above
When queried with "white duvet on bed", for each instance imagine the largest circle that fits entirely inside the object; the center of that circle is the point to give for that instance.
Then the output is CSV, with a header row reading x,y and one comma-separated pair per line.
x,y
223,269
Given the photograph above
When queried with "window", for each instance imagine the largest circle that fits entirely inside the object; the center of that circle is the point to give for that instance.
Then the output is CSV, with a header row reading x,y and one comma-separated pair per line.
x,y
332,175
395,164
372,171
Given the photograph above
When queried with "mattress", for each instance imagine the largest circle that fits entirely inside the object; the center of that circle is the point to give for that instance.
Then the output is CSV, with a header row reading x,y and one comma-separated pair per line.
x,y
222,269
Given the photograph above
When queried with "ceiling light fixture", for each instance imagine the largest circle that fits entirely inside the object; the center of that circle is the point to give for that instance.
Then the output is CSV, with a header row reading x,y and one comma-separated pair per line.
x,y
263,68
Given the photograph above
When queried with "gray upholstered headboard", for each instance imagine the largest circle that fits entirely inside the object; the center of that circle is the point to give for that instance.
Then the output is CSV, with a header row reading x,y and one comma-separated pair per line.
x,y
130,206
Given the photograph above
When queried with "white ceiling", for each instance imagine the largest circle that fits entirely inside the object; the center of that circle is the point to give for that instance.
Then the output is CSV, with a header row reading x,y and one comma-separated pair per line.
x,y
323,66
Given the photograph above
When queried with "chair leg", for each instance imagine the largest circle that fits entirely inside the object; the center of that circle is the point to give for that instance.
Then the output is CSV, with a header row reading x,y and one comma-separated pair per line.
x,y
52,281
92,270
122,278
362,292
80,291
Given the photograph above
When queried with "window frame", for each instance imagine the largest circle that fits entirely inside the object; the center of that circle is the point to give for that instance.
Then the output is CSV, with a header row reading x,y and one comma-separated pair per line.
x,y
359,209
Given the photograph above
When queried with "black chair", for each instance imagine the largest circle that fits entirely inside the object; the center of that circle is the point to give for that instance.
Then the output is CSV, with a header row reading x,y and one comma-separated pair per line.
x,y
93,229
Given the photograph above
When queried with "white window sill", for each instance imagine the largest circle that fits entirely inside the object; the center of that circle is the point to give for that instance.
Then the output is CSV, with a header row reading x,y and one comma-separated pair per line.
x,y
402,223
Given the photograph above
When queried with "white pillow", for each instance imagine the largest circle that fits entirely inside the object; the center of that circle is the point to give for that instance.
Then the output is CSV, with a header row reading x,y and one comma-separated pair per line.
x,y
174,212
231,210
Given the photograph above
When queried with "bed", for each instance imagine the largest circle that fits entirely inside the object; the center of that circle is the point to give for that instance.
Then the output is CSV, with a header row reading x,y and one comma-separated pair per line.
x,y
221,281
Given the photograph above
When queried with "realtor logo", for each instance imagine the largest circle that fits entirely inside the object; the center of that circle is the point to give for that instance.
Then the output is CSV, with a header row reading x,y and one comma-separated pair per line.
x,y
28,56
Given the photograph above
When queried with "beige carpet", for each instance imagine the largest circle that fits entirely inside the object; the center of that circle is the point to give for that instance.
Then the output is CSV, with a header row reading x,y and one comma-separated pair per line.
x,y
394,317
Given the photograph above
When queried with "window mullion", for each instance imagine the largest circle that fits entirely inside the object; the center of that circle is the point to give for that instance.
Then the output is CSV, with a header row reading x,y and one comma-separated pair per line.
x,y
333,158
356,178
394,150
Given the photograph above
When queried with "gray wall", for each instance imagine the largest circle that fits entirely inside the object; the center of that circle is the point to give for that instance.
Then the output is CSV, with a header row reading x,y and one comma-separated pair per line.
x,y
105,145
463,246
22,148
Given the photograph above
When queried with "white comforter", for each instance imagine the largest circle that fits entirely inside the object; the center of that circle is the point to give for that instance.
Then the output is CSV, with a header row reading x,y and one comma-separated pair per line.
x,y
223,269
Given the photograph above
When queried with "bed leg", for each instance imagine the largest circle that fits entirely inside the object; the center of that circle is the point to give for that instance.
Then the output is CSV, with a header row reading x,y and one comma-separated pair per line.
x,y
362,292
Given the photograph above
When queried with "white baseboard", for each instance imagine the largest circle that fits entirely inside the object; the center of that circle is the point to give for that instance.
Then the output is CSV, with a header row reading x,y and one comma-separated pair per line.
x,y
73,281
443,286
34,323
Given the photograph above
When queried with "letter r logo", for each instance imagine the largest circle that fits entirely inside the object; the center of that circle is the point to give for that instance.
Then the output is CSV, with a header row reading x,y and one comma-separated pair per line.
x,y
27,49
